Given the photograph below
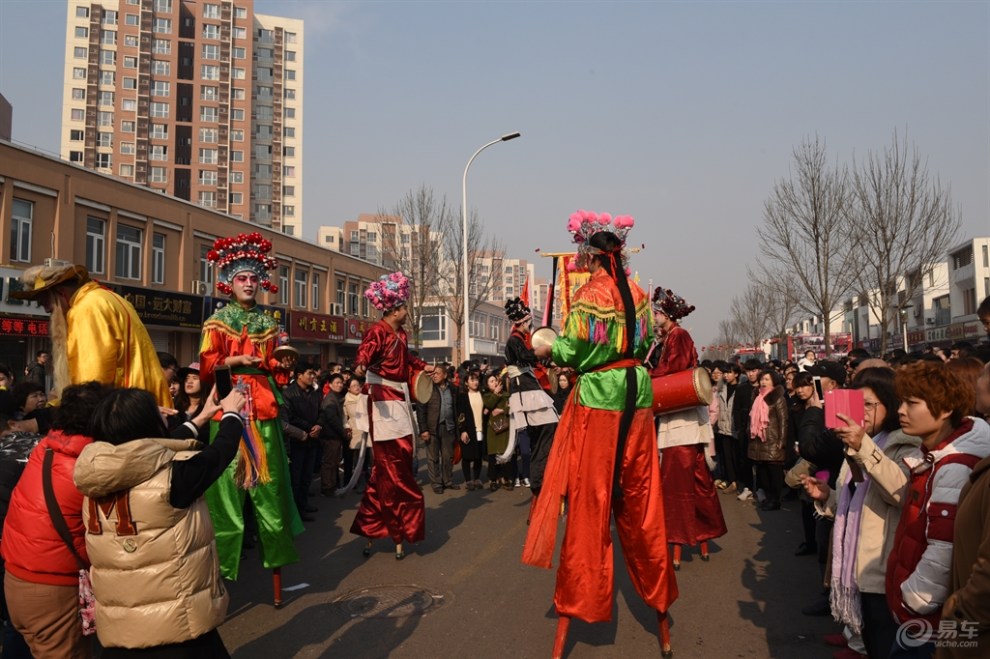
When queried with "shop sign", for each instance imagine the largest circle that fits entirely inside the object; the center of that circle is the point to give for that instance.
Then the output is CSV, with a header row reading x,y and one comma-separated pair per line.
x,y
315,326
356,328
163,307
916,336
14,326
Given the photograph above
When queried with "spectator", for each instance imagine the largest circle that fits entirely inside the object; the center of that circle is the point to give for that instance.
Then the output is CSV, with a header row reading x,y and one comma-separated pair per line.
x,y
745,393
42,580
300,413
36,372
333,435
28,397
769,432
164,590
359,439
563,391
471,428
497,406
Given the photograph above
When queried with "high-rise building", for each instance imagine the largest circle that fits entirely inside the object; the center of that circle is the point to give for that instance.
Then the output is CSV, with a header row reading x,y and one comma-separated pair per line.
x,y
201,100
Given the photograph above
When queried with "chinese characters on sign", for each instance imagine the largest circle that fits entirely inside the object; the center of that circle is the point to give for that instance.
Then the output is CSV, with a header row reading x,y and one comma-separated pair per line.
x,y
13,326
315,327
163,307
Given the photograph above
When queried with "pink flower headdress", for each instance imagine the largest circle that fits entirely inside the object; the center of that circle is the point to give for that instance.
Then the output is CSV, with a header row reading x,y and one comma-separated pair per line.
x,y
245,251
389,292
584,225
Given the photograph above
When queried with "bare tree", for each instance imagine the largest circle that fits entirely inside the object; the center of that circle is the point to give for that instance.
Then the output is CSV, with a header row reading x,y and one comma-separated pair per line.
x,y
905,225
806,231
725,342
783,298
428,219
485,255
749,315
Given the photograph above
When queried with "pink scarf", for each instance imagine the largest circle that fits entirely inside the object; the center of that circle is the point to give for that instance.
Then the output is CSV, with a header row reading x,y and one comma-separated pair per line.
x,y
759,417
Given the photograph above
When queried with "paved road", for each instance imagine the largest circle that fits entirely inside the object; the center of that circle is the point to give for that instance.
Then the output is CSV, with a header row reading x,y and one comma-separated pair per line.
x,y
464,593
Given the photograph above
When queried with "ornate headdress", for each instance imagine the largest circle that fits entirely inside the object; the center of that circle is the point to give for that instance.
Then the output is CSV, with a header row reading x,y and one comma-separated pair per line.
x,y
245,251
516,310
389,292
673,306
584,225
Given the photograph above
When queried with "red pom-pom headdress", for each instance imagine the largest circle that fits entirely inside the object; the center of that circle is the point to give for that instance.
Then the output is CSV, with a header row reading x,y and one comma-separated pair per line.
x,y
243,252
584,225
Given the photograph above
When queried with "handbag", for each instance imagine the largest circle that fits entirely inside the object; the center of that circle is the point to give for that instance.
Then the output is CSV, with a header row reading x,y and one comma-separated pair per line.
x,y
87,602
500,423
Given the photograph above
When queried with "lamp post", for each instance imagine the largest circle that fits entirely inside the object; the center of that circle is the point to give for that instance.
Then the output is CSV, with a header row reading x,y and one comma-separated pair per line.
x,y
464,215
904,315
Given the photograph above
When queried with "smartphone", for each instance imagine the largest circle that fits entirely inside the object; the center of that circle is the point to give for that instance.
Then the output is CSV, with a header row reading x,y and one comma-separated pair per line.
x,y
818,387
224,381
848,402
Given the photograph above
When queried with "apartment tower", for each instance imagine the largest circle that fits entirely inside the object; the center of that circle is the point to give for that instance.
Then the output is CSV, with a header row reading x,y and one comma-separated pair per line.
x,y
201,100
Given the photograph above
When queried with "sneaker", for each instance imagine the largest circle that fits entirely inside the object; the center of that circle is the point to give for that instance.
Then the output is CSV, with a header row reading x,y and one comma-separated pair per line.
x,y
745,495
517,482
761,496
525,482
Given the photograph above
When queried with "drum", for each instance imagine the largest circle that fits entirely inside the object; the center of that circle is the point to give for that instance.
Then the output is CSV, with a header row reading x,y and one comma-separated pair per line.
x,y
679,391
420,387
544,336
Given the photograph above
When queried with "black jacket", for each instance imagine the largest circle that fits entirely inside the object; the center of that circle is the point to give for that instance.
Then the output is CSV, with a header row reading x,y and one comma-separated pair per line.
x,y
819,445
300,411
428,414
332,418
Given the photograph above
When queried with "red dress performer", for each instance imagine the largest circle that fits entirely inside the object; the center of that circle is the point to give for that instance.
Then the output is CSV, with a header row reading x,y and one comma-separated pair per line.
x,y
604,455
393,503
690,501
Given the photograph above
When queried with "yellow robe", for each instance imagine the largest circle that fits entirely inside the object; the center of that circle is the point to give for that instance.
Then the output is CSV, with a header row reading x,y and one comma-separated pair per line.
x,y
107,342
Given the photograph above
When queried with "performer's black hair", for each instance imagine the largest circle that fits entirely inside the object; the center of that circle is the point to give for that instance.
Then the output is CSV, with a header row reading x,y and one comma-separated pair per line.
x,y
611,261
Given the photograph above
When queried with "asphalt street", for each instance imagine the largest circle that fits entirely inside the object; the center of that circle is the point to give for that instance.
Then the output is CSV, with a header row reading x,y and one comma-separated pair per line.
x,y
463,592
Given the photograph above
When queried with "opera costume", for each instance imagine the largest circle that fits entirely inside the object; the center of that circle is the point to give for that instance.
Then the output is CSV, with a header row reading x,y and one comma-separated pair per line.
x,y
604,456
392,505
105,339
530,406
261,470
685,439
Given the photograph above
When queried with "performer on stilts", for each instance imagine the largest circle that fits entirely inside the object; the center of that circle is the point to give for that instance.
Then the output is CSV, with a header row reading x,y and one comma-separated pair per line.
x,y
685,439
392,505
530,406
604,457
239,335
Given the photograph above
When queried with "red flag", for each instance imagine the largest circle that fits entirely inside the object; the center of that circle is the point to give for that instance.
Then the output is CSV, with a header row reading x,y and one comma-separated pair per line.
x,y
524,296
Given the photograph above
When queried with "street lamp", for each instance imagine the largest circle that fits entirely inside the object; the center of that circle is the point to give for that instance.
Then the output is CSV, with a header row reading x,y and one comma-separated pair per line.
x,y
464,216
904,315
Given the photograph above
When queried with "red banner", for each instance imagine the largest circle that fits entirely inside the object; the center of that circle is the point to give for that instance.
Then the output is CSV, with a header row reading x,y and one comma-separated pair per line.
x,y
356,328
15,326
315,327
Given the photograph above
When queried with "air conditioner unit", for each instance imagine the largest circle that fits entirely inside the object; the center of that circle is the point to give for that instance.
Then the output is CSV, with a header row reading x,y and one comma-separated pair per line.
x,y
199,287
56,263
336,309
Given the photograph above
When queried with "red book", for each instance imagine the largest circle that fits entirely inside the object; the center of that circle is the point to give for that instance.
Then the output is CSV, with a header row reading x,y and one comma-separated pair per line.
x,y
848,402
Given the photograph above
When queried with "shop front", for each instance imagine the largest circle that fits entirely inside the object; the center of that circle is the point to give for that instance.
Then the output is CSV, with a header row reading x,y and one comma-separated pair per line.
x,y
314,335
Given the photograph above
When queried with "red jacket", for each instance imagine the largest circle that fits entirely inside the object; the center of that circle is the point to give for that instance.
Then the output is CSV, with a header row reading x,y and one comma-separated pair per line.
x,y
31,547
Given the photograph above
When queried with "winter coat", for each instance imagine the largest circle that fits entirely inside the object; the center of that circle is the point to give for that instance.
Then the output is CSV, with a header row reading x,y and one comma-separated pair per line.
x,y
881,505
918,573
773,446
156,574
32,548
726,402
970,598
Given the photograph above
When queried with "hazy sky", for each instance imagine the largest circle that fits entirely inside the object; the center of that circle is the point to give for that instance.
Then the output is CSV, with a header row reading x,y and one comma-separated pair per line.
x,y
682,114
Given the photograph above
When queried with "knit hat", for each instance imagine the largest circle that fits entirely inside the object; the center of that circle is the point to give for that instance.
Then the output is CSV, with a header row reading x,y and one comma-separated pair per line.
x,y
389,292
516,310
672,306
240,253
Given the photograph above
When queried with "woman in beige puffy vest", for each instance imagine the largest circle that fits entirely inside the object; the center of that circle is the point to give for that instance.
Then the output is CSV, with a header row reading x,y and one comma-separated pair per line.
x,y
155,572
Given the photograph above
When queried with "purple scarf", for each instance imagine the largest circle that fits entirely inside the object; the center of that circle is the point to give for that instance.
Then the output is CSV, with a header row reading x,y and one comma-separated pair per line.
x,y
844,597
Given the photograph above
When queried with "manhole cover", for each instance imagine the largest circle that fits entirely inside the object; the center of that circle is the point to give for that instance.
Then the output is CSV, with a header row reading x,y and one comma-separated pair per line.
x,y
387,602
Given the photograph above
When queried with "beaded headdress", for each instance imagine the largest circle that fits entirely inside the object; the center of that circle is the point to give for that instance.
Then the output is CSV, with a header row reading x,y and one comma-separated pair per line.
x,y
584,225
516,310
672,306
389,292
243,252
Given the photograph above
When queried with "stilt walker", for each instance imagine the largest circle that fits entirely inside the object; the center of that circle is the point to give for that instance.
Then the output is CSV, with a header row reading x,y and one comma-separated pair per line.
x,y
240,336
604,456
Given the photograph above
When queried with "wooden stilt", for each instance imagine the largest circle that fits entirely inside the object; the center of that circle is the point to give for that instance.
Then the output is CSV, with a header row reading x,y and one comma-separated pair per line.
x,y
677,557
560,640
277,583
704,550
663,633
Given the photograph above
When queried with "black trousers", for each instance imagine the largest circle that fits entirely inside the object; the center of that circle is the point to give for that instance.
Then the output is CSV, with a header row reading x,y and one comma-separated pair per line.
x,y
879,626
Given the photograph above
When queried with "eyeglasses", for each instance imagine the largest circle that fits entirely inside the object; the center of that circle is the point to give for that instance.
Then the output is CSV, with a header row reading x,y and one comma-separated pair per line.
x,y
872,406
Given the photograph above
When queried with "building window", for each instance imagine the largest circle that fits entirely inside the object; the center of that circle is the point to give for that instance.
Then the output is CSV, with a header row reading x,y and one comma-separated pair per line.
x,y
300,288
208,199
132,19
290,113
208,135
211,11
161,67
240,12
207,177
127,171
104,139
161,88
109,17
210,72
163,26
236,198
78,94
127,148
157,175
207,113
236,156
283,284
77,114
238,73
128,253
208,156
237,177
108,57
352,300
162,47
107,78
80,52
238,94
315,297
108,38
157,152
159,109
158,258
288,171
20,230
95,244
126,126
290,94
104,118
290,74
105,98
290,132
78,73
82,12
82,32
77,135
240,33
104,160
240,52
130,62
237,136
289,211
163,6
205,267
290,56
237,114
209,93
211,31
211,51
290,37
433,324
128,105
75,156
129,83
159,132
